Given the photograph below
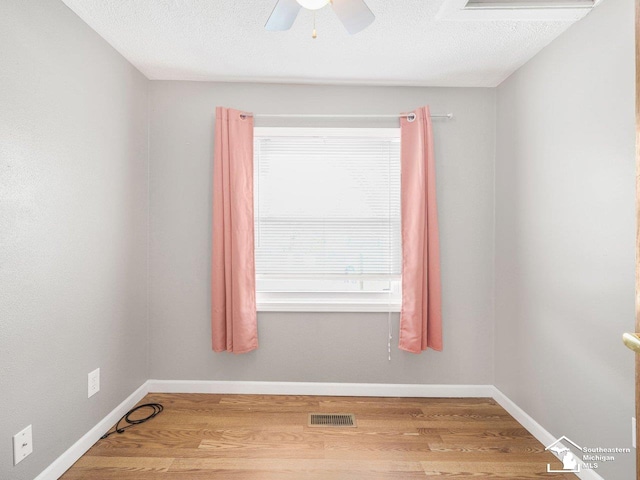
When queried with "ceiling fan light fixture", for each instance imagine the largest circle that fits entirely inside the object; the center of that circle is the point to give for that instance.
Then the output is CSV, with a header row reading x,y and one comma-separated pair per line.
x,y
313,4
355,15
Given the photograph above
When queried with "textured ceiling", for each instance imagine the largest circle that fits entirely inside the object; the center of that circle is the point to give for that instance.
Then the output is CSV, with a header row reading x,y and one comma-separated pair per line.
x,y
225,40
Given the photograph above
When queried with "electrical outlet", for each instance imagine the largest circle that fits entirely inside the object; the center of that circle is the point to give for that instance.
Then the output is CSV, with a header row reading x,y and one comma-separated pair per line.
x,y
22,445
94,383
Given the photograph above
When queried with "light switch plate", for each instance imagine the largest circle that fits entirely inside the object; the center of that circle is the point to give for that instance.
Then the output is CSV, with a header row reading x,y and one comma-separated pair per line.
x,y
93,386
22,445
633,431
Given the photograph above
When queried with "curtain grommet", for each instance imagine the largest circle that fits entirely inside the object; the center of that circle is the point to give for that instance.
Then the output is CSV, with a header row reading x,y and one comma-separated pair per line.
x,y
411,117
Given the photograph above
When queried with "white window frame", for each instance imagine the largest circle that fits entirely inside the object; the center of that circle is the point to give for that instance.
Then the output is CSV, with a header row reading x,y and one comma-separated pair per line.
x,y
330,301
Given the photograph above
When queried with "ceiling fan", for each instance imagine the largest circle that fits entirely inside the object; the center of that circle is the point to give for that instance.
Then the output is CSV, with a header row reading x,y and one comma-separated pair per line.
x,y
355,15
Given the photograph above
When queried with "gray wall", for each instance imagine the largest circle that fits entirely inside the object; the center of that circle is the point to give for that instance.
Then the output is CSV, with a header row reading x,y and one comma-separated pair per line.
x,y
74,220
318,347
73,229
565,220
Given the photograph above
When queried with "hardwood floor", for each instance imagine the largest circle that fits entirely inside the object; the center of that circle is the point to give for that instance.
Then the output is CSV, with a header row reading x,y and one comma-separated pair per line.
x,y
241,437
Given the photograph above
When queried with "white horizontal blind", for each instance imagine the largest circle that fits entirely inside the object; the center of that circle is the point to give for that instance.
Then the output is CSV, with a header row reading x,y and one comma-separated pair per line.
x,y
327,206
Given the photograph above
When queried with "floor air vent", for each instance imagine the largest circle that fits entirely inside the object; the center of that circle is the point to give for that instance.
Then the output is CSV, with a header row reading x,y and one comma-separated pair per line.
x,y
332,420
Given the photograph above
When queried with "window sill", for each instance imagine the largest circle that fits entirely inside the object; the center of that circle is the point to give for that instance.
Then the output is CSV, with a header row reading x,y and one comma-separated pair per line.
x,y
289,306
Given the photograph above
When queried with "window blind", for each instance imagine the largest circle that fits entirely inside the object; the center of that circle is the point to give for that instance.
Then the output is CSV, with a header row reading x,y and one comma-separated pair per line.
x,y
327,206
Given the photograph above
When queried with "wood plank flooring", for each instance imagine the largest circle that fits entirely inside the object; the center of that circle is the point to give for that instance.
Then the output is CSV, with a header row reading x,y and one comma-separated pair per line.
x,y
260,437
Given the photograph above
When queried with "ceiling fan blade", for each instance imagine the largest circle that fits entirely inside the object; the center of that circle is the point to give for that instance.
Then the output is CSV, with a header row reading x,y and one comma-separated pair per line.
x,y
283,15
354,14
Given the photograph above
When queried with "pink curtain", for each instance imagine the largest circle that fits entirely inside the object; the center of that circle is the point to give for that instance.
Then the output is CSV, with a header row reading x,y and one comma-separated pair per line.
x,y
421,317
233,294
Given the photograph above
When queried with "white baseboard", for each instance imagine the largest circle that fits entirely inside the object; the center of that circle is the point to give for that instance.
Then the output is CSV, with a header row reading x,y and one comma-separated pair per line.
x,y
69,457
534,428
523,418
325,389
73,453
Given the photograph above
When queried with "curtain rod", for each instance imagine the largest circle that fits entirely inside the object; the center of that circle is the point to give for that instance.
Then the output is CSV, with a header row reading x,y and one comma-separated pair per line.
x,y
410,116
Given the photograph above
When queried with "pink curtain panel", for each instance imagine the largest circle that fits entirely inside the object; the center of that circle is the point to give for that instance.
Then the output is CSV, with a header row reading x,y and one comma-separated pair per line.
x,y
233,294
421,316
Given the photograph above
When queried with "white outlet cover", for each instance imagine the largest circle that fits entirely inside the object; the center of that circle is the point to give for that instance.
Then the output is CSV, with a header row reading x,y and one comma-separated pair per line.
x,y
22,445
93,385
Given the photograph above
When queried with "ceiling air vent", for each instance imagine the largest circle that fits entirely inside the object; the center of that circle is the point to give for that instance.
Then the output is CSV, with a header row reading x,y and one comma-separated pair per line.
x,y
518,10
527,4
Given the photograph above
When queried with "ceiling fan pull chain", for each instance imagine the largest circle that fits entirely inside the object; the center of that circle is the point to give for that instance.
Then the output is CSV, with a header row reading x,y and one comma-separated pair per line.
x,y
314,34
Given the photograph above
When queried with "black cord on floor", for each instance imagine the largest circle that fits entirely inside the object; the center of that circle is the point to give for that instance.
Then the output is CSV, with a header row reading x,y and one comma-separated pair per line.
x,y
156,409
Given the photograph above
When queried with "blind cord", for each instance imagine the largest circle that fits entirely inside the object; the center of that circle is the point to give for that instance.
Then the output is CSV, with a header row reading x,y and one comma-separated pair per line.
x,y
156,409
390,254
389,322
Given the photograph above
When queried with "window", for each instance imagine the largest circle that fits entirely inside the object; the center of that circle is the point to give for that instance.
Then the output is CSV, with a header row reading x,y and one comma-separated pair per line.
x,y
327,219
